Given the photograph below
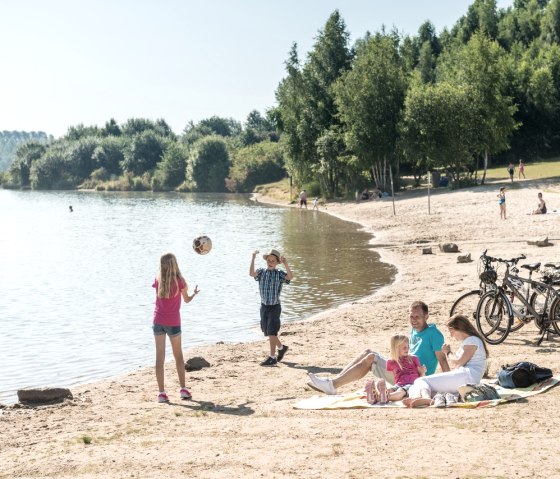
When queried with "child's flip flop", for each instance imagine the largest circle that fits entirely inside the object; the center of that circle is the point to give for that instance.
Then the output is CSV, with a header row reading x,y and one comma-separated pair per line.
x,y
381,391
371,395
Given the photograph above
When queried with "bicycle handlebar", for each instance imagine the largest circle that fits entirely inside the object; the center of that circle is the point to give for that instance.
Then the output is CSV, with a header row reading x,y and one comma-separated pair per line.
x,y
512,261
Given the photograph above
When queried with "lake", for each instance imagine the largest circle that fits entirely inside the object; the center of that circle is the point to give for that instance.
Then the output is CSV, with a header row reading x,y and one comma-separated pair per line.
x,y
76,300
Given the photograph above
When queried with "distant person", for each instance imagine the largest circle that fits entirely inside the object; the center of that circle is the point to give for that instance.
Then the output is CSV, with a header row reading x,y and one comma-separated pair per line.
x,y
303,199
511,170
541,208
502,202
70,209
170,287
521,169
270,286
316,203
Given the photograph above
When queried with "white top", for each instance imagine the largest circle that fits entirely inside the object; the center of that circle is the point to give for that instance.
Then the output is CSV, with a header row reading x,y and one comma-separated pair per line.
x,y
477,364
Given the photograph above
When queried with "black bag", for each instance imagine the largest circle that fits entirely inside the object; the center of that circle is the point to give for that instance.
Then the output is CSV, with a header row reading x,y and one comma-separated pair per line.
x,y
522,375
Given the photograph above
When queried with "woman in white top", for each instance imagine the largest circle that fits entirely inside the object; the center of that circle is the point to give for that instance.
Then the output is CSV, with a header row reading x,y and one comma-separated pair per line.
x,y
467,365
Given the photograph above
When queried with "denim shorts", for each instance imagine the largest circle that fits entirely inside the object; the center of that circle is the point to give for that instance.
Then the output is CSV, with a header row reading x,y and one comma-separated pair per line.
x,y
171,331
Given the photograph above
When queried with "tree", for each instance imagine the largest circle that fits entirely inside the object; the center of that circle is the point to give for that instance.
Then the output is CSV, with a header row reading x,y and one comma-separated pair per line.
x,y
439,127
26,155
208,165
370,99
144,152
480,64
170,172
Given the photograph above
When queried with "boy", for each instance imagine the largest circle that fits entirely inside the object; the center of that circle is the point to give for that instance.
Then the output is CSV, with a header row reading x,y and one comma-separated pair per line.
x,y
270,286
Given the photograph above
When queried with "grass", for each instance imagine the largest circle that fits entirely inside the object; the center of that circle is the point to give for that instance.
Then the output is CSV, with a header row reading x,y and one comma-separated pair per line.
x,y
533,170
279,190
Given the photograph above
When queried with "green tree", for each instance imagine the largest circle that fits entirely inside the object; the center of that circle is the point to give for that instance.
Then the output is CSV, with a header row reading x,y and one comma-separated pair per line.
x,y
370,98
208,165
26,155
254,165
170,172
144,152
481,65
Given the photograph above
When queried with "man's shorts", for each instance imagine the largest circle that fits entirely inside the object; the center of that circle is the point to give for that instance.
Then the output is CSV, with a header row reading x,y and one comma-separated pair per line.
x,y
270,319
171,331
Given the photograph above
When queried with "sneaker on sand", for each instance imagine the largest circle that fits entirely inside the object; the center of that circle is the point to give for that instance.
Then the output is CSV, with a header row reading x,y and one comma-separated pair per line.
x,y
282,352
185,393
269,362
322,384
439,400
162,397
450,399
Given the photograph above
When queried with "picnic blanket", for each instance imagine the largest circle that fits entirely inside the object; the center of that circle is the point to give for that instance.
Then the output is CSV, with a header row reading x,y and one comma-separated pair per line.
x,y
358,399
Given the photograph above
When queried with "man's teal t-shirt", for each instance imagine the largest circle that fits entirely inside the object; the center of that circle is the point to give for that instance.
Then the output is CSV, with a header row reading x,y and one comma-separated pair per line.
x,y
424,344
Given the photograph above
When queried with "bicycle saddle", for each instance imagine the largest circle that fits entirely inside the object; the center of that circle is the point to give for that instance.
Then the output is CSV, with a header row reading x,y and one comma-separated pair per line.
x,y
552,265
532,266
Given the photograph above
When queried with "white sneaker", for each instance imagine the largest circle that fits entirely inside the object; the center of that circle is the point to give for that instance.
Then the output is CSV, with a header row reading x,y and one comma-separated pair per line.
x,y
322,384
439,400
450,399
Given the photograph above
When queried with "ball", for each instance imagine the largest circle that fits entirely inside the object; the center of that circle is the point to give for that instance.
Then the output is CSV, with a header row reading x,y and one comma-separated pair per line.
x,y
202,244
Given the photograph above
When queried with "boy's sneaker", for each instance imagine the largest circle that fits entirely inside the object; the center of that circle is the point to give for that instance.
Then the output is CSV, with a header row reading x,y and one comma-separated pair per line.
x,y
162,397
185,393
282,352
269,362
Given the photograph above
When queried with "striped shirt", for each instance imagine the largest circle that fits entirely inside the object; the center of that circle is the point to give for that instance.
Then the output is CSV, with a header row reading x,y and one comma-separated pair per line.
x,y
270,284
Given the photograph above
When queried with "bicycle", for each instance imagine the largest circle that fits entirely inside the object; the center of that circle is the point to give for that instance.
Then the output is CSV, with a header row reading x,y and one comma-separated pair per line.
x,y
466,304
495,312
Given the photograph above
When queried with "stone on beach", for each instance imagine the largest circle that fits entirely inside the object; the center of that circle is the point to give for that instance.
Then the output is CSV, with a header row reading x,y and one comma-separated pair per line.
x,y
43,395
449,248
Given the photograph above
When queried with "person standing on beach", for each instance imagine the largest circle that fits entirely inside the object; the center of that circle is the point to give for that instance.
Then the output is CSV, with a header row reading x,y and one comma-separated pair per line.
x,y
270,286
426,342
511,170
521,169
170,287
502,202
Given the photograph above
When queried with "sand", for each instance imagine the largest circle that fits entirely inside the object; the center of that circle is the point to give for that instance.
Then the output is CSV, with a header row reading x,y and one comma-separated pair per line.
x,y
241,422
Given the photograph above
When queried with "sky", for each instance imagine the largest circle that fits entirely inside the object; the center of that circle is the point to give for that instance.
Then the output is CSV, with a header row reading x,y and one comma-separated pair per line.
x,y
69,62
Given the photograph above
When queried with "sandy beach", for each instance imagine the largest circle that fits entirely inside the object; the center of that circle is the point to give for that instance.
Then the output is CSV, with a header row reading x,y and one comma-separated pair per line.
x,y
241,421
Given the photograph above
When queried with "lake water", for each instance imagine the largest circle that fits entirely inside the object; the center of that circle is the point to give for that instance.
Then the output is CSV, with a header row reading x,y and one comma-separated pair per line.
x,y
76,301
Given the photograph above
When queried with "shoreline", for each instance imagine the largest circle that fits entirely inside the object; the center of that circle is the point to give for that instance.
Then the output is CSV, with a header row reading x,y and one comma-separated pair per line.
x,y
241,421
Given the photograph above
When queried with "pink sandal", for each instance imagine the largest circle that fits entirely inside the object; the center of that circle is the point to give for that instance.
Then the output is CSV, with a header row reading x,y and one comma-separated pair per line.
x,y
381,391
371,395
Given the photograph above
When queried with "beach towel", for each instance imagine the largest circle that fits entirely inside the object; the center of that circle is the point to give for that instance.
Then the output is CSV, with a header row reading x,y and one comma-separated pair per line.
x,y
357,400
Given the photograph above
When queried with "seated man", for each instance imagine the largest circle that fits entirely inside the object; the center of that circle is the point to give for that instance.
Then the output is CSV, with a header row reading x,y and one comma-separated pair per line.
x,y
426,342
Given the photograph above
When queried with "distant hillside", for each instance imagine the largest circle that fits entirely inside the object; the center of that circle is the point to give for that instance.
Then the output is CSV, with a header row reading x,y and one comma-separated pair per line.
x,y
10,140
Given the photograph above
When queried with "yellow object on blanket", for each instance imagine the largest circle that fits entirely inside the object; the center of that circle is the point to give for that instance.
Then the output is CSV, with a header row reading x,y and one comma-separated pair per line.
x,y
358,399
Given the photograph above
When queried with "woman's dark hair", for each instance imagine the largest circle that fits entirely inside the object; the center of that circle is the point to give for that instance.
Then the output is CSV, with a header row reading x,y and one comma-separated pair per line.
x,y
462,323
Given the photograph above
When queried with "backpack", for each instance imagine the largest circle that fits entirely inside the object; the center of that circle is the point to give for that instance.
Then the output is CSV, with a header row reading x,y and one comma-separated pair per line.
x,y
522,375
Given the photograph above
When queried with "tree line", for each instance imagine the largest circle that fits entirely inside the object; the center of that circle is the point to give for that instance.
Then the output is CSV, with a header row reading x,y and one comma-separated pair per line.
x,y
487,89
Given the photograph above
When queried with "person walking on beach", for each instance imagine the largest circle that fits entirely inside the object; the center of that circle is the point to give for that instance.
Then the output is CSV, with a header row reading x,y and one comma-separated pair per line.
x,y
270,286
511,170
406,368
521,170
170,287
502,202
541,208
316,204
303,199
468,363
426,342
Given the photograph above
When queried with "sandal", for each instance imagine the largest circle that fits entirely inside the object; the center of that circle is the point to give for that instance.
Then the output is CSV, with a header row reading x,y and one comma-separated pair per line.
x,y
371,393
381,391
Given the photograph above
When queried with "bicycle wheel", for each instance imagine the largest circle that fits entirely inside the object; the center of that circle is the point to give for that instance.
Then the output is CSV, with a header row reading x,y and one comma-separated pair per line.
x,y
554,317
494,317
466,304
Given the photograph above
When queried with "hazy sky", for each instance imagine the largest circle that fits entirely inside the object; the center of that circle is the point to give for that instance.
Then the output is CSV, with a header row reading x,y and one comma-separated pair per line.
x,y
65,62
